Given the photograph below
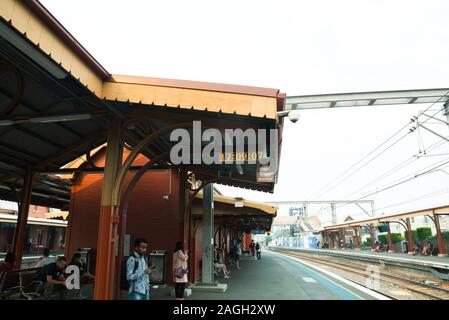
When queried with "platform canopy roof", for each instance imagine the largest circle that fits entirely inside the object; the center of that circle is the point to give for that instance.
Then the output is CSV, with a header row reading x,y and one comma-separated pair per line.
x,y
56,101
443,210
249,215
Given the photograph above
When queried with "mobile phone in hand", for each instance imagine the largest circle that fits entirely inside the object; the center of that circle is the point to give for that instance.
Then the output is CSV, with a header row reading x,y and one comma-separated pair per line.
x,y
152,267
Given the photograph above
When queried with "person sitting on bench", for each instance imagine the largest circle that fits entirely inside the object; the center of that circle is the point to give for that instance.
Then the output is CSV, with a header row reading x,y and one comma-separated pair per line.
x,y
52,277
78,261
45,259
8,264
220,267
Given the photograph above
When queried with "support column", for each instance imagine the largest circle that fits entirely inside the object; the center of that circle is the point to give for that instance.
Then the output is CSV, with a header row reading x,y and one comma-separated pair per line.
x,y
109,218
24,206
208,235
357,238
373,239
441,246
325,238
184,213
390,239
332,239
411,244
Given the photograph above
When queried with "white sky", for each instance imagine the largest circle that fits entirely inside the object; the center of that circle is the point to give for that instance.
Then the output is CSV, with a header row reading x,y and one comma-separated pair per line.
x,y
300,47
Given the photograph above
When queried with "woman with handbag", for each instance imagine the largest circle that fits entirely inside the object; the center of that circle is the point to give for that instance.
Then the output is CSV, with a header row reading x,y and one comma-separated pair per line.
x,y
180,270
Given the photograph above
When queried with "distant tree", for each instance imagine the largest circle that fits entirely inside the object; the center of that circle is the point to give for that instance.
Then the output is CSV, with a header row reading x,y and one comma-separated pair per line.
x,y
423,233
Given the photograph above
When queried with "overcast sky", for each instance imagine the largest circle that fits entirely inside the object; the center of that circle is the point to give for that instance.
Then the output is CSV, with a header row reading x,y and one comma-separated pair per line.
x,y
300,47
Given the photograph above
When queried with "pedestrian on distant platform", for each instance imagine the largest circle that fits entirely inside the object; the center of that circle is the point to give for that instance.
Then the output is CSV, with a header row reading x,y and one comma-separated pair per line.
x,y
238,254
350,243
180,270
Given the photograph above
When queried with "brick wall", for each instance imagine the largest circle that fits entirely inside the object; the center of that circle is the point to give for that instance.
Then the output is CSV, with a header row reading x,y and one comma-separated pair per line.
x,y
149,215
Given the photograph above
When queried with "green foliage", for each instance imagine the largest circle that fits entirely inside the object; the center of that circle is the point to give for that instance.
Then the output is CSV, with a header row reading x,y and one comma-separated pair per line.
x,y
268,239
414,235
423,233
383,238
444,234
366,243
395,237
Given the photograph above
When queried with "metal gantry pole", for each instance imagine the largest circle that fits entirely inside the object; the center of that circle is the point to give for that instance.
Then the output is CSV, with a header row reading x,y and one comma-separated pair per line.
x,y
208,235
334,213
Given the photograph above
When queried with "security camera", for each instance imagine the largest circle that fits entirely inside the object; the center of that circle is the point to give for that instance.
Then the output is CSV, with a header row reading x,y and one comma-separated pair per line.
x,y
294,116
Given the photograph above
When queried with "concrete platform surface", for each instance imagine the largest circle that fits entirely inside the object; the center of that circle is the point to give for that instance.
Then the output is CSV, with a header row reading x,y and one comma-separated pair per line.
x,y
274,277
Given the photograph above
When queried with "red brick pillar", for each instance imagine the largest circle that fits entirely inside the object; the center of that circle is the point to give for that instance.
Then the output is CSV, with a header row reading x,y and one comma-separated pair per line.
x,y
441,246
373,244
22,218
390,239
411,244
357,238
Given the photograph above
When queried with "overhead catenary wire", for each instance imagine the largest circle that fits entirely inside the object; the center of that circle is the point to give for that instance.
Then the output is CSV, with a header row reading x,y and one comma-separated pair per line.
x,y
425,196
400,166
405,163
427,169
326,188
330,185
446,161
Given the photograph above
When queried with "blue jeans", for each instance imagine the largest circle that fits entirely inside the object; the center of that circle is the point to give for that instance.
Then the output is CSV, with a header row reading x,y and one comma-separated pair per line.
x,y
138,296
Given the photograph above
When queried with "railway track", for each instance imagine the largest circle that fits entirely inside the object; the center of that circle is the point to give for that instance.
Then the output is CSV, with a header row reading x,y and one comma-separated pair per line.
x,y
403,283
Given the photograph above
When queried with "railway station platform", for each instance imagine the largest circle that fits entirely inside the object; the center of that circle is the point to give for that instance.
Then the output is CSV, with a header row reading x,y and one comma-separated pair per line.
x,y
276,277
438,266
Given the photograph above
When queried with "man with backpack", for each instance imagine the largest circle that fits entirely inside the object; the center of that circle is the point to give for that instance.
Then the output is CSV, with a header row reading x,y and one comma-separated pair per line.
x,y
137,272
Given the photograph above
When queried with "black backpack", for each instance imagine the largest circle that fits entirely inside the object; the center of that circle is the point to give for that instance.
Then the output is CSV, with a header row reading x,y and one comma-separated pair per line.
x,y
124,283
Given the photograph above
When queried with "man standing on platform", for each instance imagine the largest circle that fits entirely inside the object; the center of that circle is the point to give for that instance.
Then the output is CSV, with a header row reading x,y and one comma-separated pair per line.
x,y
137,272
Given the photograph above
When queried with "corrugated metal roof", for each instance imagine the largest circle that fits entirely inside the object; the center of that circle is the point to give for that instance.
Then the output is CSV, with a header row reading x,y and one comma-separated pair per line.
x,y
197,85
